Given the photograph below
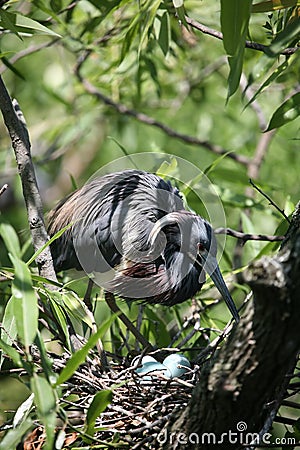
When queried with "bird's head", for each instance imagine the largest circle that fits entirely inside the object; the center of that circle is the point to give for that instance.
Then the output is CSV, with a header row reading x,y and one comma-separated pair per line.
x,y
197,244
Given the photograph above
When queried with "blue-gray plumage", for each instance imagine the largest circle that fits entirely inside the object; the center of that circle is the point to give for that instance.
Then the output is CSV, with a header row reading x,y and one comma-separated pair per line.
x,y
135,223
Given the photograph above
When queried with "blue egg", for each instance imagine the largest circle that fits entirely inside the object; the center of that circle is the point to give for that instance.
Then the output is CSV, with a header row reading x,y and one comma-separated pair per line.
x,y
151,368
173,361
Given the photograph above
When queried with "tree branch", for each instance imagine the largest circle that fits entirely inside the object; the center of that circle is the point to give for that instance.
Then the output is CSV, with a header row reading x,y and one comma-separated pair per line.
x,y
249,44
248,237
270,200
16,126
148,120
27,51
246,379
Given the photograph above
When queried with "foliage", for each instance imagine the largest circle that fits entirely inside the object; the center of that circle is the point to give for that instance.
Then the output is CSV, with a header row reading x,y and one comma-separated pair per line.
x,y
89,75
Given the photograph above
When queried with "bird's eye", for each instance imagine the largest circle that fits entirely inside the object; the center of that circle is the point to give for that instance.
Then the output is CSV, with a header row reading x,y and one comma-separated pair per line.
x,y
201,247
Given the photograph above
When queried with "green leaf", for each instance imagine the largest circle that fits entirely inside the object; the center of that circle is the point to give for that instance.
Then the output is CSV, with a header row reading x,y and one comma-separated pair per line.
x,y
12,68
97,406
44,6
23,411
277,72
59,315
262,67
17,23
164,33
46,362
129,37
79,357
180,11
11,352
56,5
45,400
283,39
76,307
274,5
10,239
33,26
13,438
149,12
8,22
9,327
56,236
235,15
288,111
25,302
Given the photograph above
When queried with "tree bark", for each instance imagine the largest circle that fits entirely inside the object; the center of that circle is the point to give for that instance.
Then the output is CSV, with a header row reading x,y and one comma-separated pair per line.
x,y
241,388
16,126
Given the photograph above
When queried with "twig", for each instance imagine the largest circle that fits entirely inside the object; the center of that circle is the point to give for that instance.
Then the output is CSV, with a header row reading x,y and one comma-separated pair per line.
x,y
247,236
148,120
15,123
3,189
110,300
270,200
248,44
26,52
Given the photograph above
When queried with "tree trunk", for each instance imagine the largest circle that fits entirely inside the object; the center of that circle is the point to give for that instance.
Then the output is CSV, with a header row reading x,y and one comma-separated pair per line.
x,y
241,388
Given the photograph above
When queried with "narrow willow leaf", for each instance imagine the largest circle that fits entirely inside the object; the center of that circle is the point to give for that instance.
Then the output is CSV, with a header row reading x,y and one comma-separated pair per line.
x,y
8,22
23,411
33,26
10,239
25,302
277,72
164,33
13,438
9,326
45,401
274,5
288,111
149,14
46,362
59,315
56,236
283,39
235,15
99,403
79,357
11,352
12,67
76,307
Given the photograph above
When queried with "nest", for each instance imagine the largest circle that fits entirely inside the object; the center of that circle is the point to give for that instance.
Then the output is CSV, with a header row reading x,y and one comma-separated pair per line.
x,y
139,409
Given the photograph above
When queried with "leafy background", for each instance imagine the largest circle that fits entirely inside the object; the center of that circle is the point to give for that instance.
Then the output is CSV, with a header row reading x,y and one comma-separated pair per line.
x,y
137,54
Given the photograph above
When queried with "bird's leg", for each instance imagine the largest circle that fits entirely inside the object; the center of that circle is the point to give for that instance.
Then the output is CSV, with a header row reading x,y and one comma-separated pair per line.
x,y
99,344
88,294
111,302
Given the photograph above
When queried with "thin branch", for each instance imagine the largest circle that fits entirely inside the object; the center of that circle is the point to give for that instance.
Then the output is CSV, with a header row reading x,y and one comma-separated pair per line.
x,y
3,189
247,236
270,200
27,51
15,123
148,120
248,44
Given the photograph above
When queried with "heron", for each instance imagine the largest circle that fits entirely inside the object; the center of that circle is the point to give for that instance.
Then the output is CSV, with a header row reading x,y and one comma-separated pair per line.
x,y
133,229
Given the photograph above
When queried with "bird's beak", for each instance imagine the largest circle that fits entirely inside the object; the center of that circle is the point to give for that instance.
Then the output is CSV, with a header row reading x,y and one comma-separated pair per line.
x,y
211,267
